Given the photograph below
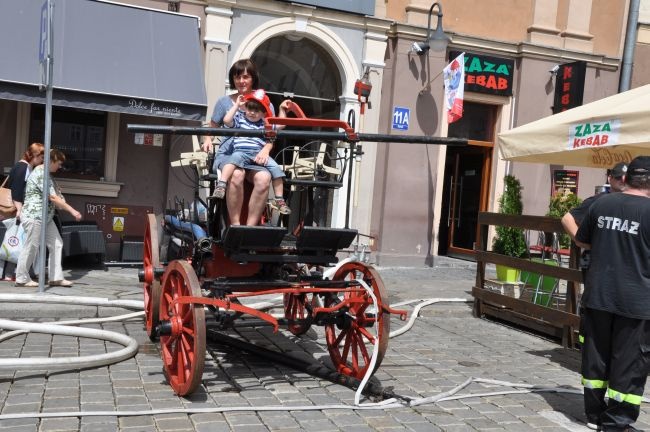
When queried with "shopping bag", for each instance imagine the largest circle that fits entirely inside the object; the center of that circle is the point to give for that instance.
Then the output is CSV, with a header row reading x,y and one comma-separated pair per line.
x,y
7,207
13,241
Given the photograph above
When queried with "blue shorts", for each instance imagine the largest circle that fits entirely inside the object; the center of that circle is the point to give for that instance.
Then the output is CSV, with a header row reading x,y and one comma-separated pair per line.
x,y
246,159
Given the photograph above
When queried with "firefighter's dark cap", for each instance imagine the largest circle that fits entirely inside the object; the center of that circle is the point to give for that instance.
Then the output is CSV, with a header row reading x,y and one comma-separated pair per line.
x,y
640,166
618,170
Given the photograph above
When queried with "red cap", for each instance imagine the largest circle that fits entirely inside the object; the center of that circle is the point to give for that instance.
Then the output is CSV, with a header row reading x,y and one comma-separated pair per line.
x,y
260,96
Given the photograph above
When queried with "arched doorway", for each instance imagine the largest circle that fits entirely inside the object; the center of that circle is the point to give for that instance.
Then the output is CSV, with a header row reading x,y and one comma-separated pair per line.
x,y
300,69
303,70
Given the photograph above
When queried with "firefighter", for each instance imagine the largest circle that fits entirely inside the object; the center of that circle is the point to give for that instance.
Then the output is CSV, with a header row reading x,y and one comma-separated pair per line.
x,y
615,325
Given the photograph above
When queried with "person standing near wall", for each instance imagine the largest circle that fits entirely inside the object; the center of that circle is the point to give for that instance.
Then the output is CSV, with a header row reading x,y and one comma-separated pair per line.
x,y
31,219
17,180
615,324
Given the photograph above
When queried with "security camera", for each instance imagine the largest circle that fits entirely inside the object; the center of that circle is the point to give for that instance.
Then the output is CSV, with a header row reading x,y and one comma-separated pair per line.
x,y
420,47
554,69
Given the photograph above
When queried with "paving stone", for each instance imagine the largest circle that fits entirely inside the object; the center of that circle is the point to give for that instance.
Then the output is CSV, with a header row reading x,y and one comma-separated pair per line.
x,y
445,347
59,424
99,427
174,424
135,421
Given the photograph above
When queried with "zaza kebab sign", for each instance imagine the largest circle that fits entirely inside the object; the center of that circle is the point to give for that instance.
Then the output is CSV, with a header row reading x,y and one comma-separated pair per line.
x,y
594,134
484,74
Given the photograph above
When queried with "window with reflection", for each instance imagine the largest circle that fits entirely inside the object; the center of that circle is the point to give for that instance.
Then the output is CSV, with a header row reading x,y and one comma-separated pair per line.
x,y
80,134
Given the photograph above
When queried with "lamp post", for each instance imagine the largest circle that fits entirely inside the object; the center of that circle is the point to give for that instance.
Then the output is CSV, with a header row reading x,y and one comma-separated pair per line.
x,y
436,40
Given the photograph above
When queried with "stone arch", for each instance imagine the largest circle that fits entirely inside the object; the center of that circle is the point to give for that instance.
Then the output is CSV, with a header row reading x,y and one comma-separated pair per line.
x,y
318,33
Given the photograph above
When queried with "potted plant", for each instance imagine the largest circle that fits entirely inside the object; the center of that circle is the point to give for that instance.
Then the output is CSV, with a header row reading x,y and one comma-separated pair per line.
x,y
510,241
559,205
561,202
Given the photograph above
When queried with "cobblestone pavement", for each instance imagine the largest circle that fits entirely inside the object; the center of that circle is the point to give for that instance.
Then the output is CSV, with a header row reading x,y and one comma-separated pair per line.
x,y
445,347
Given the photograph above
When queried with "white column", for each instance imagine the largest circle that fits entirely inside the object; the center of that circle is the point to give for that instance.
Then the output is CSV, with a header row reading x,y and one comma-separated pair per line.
x,y
543,30
576,35
217,33
363,182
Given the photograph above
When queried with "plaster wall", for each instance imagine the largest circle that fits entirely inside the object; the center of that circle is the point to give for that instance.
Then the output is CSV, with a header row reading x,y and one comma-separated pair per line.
x,y
405,176
504,20
608,23
641,66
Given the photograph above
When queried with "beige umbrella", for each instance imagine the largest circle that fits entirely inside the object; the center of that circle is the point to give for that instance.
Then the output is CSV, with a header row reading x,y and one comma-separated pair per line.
x,y
598,134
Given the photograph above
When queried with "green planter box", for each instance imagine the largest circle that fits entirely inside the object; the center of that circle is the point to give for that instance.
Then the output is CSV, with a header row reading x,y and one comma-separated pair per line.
x,y
547,286
507,274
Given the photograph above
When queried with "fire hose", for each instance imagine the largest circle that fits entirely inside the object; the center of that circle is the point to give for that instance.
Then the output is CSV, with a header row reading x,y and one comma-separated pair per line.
x,y
130,349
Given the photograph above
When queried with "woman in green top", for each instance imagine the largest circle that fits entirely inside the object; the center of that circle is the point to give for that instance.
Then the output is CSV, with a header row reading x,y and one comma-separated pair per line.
x,y
31,219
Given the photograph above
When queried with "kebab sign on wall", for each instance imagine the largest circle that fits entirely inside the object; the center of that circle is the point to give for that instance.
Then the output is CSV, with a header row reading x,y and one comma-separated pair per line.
x,y
486,74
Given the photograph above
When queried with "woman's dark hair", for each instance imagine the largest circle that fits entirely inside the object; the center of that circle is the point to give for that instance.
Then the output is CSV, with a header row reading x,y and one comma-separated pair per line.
x,y
57,156
34,149
241,66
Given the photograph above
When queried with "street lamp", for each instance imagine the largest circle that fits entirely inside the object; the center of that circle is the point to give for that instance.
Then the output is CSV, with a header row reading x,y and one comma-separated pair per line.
x,y
436,40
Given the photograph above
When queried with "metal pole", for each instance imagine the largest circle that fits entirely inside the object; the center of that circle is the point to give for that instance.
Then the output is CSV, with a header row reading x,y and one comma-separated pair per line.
x,y
353,150
628,49
48,134
309,135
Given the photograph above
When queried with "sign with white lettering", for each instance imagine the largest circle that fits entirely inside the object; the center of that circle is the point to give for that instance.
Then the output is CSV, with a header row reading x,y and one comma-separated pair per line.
x,y
401,116
42,43
564,182
138,106
147,139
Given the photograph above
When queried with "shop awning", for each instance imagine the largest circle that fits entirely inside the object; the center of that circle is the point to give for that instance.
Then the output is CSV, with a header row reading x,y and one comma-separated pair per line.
x,y
107,57
599,134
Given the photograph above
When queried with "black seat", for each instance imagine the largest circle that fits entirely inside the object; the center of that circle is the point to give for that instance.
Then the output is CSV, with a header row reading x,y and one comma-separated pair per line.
x,y
328,239
240,237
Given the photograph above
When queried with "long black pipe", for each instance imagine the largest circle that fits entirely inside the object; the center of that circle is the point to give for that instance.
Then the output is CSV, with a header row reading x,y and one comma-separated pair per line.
x,y
311,135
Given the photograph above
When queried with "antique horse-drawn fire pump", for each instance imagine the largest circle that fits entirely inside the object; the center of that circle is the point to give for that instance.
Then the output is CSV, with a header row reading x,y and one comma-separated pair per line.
x,y
203,266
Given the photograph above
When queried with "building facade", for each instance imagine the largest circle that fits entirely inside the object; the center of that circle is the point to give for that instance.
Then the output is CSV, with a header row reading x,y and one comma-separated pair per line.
x,y
414,201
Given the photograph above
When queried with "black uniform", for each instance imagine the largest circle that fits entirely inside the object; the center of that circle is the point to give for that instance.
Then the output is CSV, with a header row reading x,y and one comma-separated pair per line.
x,y
614,328
579,214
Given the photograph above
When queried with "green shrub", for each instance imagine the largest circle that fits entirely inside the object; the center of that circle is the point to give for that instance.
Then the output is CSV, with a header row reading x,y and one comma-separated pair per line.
x,y
559,205
510,241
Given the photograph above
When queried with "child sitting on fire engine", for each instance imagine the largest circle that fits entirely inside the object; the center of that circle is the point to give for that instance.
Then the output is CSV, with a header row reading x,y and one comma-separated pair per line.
x,y
250,152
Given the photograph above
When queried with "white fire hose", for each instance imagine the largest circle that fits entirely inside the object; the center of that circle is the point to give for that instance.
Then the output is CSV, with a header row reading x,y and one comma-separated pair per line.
x,y
131,347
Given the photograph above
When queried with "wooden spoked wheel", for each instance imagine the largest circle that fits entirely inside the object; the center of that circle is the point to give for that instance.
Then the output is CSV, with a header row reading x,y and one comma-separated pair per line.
x,y
183,350
350,340
150,262
297,311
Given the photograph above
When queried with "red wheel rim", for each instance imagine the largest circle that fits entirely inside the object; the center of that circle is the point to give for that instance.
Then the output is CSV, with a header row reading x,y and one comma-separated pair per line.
x,y
297,312
150,262
351,348
182,352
